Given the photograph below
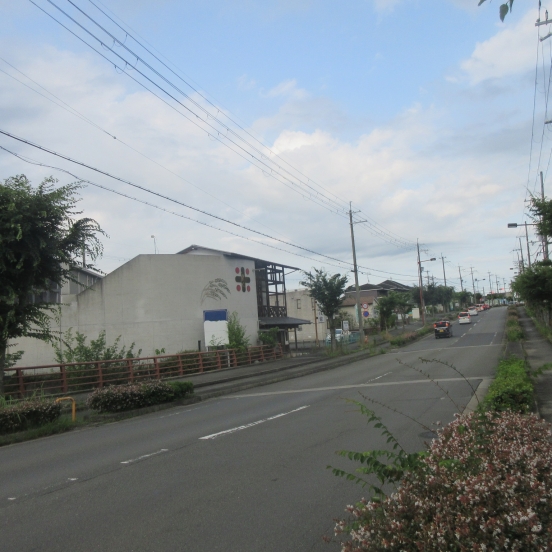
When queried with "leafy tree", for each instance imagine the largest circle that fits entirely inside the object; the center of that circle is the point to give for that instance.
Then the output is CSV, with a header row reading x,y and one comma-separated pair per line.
x,y
462,297
534,286
40,240
403,304
541,213
385,307
236,333
328,292
504,8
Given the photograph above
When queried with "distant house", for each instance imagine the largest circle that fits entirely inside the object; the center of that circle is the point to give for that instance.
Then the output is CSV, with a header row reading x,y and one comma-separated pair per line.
x,y
369,294
163,301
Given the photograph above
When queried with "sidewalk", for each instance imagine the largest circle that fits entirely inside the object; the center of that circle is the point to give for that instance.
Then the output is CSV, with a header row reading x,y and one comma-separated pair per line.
x,y
538,351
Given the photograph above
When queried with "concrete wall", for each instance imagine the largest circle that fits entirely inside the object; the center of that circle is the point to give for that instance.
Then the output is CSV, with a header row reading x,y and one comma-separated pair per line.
x,y
154,301
300,305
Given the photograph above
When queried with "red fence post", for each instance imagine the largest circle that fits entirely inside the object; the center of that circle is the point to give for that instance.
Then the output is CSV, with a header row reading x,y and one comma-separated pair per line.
x,y
180,368
262,353
200,359
219,365
63,378
21,382
100,374
249,355
130,371
235,359
157,370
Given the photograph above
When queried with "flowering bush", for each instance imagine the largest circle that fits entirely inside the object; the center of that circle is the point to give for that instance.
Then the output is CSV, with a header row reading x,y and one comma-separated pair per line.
x,y
117,398
27,414
485,484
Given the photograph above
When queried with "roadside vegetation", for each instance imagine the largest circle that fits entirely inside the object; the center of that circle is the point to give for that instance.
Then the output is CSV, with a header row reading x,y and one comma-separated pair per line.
x,y
483,483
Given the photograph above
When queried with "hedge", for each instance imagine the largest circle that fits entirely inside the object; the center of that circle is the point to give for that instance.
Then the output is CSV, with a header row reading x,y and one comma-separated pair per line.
x,y
118,398
511,389
28,414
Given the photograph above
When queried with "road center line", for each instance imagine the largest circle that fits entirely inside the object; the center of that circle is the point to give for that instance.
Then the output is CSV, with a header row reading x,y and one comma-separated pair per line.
x,y
144,456
252,424
337,387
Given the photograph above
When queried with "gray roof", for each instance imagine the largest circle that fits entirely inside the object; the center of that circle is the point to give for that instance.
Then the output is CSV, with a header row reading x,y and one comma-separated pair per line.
x,y
230,254
282,321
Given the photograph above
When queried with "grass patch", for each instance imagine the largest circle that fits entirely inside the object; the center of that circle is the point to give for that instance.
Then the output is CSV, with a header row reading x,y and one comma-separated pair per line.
x,y
52,428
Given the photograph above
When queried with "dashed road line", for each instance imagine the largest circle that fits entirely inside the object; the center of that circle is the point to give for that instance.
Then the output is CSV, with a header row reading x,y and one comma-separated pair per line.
x,y
252,424
132,460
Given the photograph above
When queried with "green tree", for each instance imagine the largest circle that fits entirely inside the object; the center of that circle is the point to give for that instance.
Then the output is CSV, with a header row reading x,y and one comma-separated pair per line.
x,y
236,333
462,297
541,213
403,304
328,292
385,307
40,240
534,286
503,9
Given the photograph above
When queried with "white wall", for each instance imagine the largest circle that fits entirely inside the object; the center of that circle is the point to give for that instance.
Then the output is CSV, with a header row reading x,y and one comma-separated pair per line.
x,y
154,301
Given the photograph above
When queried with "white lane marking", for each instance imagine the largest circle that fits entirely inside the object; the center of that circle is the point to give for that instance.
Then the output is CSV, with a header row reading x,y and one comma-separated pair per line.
x,y
144,456
72,478
337,387
11,498
374,379
239,428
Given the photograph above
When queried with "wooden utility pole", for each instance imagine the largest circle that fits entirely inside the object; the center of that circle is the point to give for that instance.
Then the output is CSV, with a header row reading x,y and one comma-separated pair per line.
x,y
444,273
522,260
528,250
473,286
461,281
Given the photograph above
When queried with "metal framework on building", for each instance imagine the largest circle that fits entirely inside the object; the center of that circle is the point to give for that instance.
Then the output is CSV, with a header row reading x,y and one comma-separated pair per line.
x,y
271,289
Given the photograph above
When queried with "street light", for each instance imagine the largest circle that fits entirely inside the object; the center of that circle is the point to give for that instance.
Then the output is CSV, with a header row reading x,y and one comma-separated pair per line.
x,y
526,224
422,306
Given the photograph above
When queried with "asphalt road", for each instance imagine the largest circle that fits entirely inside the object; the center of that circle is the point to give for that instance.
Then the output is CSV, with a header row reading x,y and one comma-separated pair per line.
x,y
245,472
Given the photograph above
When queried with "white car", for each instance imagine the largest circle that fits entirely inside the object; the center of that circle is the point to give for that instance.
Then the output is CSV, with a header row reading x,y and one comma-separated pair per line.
x,y
473,311
464,318
338,336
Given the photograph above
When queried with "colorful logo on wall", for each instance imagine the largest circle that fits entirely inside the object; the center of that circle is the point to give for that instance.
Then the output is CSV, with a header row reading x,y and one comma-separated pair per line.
x,y
243,279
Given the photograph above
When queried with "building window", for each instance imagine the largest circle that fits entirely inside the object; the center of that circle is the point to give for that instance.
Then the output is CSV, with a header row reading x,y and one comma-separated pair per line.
x,y
298,303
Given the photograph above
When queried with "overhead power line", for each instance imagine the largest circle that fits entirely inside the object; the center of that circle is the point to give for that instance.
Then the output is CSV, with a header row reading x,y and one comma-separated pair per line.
x,y
178,202
237,143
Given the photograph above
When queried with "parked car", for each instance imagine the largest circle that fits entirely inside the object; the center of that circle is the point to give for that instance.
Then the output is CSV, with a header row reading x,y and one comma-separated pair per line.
x,y
464,318
443,328
473,311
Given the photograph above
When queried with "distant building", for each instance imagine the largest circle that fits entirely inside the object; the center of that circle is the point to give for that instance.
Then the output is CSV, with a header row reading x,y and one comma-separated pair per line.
x,y
161,301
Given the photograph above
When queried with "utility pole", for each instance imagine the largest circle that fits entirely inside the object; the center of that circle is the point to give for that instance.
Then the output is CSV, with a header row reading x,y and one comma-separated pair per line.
x,y
444,273
422,307
461,282
427,273
473,285
491,283
315,321
355,270
545,238
522,261
528,250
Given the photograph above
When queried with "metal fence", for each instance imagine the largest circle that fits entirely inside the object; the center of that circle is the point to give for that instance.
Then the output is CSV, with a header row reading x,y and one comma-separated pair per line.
x,y
77,377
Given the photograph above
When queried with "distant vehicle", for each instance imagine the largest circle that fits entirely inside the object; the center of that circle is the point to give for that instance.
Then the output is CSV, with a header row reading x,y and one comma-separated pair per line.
x,y
443,328
473,311
464,318
338,336
486,307
480,307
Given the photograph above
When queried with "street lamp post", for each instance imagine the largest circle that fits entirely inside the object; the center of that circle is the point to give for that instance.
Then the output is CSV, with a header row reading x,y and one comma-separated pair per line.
x,y
422,306
526,224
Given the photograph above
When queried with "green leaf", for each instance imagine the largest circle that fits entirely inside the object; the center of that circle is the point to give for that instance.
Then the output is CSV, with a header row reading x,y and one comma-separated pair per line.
x,y
503,11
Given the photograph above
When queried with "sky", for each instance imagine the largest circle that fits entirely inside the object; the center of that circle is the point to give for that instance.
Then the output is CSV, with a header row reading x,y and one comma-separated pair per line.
x,y
265,122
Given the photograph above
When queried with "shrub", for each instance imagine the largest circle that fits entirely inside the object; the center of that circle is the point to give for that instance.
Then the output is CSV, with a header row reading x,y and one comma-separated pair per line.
x,y
485,484
19,416
511,389
117,398
514,333
181,388
403,339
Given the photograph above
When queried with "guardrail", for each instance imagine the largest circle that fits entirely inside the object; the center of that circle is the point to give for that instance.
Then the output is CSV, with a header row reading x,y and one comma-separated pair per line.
x,y
78,377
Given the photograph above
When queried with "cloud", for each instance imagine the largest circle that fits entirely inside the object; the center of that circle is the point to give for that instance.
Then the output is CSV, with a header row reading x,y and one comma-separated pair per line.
x,y
510,52
287,89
